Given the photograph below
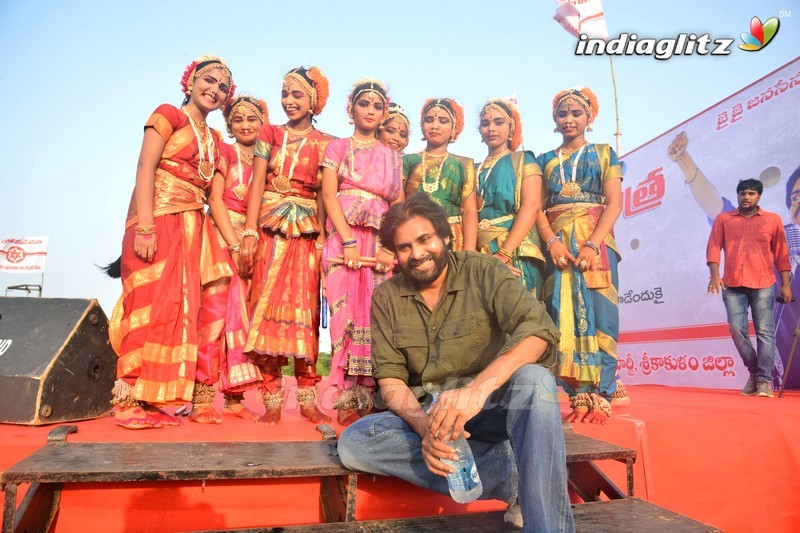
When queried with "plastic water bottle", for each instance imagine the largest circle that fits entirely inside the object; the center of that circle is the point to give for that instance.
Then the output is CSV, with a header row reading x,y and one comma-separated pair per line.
x,y
465,483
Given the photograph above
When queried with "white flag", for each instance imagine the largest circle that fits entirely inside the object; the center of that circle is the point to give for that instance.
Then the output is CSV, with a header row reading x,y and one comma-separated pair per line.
x,y
582,17
23,256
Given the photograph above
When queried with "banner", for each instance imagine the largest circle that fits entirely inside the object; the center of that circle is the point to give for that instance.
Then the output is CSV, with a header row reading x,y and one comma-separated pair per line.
x,y
23,256
672,331
582,16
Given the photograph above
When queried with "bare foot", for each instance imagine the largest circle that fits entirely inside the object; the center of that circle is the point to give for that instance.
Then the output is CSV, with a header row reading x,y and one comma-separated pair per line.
x,y
596,417
238,409
271,417
313,414
205,414
135,418
161,416
579,414
346,417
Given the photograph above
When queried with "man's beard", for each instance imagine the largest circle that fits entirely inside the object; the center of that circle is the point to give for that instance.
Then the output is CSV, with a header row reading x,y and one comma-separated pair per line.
x,y
428,276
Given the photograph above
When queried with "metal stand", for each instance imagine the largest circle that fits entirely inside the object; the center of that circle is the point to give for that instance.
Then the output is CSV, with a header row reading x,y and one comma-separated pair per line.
x,y
26,287
796,335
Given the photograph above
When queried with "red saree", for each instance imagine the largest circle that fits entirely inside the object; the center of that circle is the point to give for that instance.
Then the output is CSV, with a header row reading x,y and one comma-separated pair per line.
x,y
153,327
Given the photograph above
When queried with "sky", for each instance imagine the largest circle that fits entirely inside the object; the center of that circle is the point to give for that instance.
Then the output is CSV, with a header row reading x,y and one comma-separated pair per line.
x,y
79,79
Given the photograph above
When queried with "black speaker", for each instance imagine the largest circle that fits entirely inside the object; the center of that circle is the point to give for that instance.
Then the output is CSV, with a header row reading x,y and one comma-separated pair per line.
x,y
56,363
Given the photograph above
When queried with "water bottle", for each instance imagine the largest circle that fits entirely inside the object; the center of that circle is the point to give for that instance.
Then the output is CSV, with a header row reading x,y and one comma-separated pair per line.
x,y
465,483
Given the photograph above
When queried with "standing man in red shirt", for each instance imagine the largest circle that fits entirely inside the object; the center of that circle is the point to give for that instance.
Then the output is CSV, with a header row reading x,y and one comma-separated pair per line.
x,y
755,246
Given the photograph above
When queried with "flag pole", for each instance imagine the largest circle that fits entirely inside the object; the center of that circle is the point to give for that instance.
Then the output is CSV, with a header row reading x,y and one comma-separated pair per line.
x,y
41,286
617,134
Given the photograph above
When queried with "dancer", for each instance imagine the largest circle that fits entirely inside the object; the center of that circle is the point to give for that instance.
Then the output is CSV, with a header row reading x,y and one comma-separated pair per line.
x,y
360,179
282,242
448,179
153,327
395,128
509,196
583,202
224,318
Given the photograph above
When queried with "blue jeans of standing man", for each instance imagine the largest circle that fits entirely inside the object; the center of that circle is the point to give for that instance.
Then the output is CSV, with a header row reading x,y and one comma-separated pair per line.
x,y
760,360
517,441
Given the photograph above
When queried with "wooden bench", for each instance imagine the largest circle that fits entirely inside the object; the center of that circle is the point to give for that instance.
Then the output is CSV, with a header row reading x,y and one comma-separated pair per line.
x,y
61,462
629,515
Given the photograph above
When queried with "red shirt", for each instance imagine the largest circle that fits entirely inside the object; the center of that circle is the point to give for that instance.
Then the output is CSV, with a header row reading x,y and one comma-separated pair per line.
x,y
753,247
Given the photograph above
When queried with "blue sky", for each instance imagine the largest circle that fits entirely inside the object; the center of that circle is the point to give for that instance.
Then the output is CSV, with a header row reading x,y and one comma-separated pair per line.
x,y
79,79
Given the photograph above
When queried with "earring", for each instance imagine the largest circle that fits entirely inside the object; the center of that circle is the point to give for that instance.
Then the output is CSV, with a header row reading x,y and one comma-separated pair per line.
x,y
555,130
589,128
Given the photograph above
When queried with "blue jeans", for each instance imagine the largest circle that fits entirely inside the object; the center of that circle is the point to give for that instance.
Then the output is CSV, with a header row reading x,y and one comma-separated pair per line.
x,y
759,361
517,441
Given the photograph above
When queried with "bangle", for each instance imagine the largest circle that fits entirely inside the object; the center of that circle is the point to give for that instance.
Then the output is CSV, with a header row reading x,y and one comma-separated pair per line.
x,y
505,253
250,232
552,241
386,250
349,244
593,246
233,248
696,171
145,230
542,228
318,245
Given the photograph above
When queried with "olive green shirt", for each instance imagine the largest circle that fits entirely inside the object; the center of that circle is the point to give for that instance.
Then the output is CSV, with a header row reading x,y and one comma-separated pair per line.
x,y
483,313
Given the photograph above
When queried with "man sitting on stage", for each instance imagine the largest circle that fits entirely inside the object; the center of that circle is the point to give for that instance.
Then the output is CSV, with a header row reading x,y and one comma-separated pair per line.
x,y
461,325
755,246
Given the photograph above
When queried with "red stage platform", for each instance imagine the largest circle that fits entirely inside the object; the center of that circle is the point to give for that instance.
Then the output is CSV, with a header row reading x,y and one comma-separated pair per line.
x,y
715,456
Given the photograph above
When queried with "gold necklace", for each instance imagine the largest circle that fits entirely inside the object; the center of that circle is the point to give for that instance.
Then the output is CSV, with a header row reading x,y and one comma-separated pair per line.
x,y
200,123
297,133
240,189
206,167
283,182
431,187
243,154
569,188
364,144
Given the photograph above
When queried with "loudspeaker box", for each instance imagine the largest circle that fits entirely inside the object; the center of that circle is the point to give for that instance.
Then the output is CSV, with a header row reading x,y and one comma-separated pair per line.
x,y
56,363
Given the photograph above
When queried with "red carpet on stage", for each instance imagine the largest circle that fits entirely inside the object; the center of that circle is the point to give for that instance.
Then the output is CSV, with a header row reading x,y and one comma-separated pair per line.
x,y
727,460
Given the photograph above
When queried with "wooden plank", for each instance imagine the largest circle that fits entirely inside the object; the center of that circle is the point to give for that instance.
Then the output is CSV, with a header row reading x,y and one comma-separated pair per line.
x,y
589,482
62,461
581,448
633,515
39,507
154,461
630,515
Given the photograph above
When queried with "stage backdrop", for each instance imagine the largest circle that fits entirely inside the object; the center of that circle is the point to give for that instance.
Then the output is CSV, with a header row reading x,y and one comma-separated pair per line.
x,y
672,331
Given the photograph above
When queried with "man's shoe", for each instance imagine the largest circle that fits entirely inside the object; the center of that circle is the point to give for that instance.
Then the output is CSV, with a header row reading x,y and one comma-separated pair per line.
x,y
765,389
750,388
513,516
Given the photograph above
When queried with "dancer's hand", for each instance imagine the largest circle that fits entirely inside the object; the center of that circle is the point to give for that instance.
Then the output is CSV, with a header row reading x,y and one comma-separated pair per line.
x,y
145,246
351,257
247,250
586,256
560,255
509,263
